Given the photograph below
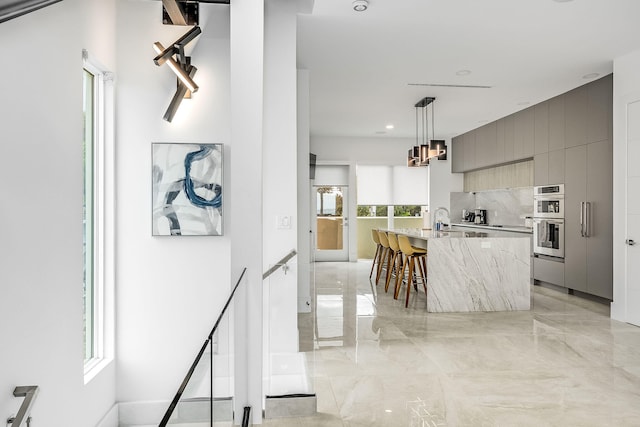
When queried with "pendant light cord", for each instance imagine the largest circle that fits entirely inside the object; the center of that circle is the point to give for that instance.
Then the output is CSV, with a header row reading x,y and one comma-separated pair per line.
x,y
433,121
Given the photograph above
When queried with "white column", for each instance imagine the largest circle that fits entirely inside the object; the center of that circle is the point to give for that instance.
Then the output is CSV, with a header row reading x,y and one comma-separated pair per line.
x,y
245,202
304,195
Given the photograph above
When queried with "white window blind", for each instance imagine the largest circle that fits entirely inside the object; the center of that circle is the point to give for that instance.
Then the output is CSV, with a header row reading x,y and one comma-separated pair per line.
x,y
392,185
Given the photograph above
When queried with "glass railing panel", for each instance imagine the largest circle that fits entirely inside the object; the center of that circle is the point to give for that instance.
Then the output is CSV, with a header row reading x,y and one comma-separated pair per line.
x,y
288,368
206,399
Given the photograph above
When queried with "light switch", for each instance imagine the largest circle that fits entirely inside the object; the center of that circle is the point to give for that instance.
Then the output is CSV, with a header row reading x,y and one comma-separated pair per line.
x,y
283,222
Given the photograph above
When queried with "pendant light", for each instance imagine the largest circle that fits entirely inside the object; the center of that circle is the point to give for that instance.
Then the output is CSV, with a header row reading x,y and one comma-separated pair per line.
x,y
424,150
413,156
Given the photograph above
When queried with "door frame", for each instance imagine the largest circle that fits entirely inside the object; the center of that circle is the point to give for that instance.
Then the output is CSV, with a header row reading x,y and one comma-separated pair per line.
x,y
338,255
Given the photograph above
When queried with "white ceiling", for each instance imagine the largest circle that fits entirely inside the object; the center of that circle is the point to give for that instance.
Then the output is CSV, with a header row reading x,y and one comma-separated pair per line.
x,y
361,63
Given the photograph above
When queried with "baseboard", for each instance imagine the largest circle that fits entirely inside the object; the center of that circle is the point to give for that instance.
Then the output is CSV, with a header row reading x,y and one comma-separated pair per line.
x,y
290,406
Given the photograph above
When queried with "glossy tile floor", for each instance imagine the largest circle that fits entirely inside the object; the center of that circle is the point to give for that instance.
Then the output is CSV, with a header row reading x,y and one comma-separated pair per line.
x,y
564,363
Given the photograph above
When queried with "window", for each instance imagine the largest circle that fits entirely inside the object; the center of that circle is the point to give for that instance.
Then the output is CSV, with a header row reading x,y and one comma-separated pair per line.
x,y
88,217
398,210
95,98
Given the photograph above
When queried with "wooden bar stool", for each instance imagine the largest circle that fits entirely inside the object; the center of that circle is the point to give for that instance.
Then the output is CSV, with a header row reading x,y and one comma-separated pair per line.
x,y
411,254
378,255
396,260
386,254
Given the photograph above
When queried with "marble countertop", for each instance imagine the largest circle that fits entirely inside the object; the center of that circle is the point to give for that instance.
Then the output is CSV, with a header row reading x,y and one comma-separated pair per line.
x,y
511,228
458,233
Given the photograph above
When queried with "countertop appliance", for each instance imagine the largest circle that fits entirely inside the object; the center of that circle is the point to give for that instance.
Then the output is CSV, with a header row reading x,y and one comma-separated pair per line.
x,y
468,216
548,221
480,216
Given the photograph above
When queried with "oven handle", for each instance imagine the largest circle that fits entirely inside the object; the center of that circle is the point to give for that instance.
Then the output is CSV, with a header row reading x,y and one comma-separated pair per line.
x,y
549,220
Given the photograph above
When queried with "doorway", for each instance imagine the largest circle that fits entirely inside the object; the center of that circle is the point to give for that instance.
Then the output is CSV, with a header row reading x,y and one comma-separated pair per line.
x,y
331,223
632,213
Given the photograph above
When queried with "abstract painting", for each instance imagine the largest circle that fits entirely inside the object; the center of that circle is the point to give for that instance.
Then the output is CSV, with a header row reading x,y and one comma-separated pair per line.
x,y
187,189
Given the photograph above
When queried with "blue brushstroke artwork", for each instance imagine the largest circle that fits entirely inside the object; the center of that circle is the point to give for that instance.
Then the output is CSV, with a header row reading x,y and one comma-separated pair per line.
x,y
187,189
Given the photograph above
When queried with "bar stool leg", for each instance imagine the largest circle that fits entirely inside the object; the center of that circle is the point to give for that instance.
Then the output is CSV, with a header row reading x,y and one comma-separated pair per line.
x,y
400,277
412,264
375,259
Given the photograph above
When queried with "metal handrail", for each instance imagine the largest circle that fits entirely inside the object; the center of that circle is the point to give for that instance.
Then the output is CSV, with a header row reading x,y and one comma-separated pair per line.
x,y
29,392
183,386
279,264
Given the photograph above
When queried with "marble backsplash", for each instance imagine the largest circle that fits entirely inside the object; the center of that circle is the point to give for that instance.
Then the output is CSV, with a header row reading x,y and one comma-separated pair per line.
x,y
504,207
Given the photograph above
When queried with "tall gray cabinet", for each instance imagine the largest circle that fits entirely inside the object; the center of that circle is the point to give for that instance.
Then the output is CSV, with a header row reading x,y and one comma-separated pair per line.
x,y
588,190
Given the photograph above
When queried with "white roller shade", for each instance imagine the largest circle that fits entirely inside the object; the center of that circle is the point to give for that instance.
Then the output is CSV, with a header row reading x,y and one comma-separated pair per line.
x,y
375,185
410,186
392,185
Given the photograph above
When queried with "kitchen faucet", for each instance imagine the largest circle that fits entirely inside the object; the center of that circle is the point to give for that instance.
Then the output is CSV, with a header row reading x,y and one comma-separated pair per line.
x,y
435,216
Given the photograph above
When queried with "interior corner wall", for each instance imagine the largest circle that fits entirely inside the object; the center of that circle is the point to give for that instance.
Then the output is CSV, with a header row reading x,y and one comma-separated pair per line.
x,y
169,289
41,166
626,83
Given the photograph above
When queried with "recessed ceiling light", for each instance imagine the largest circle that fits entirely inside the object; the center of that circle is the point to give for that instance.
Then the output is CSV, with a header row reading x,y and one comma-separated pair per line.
x,y
388,410
360,5
590,76
389,126
463,72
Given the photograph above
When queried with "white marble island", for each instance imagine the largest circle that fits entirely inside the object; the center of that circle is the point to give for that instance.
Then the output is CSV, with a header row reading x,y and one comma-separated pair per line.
x,y
476,271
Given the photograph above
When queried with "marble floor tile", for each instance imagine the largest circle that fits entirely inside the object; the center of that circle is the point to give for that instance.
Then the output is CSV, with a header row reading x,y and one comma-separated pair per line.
x,y
377,363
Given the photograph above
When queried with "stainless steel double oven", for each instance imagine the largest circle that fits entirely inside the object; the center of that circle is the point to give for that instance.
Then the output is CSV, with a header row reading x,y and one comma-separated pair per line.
x,y
548,220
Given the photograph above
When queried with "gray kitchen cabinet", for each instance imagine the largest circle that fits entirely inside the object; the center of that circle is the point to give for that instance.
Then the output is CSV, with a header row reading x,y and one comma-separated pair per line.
x,y
486,145
500,128
481,160
589,180
548,168
575,193
509,137
457,154
541,128
548,271
600,198
469,151
556,123
556,167
575,116
523,145
541,169
600,110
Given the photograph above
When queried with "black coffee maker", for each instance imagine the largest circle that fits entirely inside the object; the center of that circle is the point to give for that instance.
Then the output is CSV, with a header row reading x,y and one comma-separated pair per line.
x,y
480,216
468,216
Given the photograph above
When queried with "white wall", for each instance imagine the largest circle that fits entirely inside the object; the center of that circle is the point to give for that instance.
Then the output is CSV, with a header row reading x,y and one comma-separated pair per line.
x,y
41,168
304,195
374,151
280,183
170,289
626,83
442,182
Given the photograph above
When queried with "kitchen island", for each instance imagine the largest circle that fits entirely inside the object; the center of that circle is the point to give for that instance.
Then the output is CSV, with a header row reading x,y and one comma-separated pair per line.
x,y
475,270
